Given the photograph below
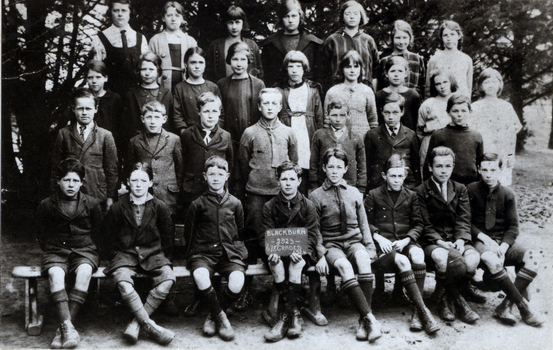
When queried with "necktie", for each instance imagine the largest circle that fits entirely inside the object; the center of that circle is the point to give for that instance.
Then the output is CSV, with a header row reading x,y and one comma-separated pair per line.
x,y
444,191
206,137
82,128
490,211
393,132
124,39
343,215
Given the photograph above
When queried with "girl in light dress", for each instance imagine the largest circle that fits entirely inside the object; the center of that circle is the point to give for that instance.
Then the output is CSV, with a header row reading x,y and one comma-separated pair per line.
x,y
497,121
450,59
359,97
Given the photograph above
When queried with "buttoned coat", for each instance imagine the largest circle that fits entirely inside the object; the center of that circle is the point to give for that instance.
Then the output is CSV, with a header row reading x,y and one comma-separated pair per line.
x,y
98,154
196,152
379,146
137,97
166,162
394,221
149,245
209,224
446,220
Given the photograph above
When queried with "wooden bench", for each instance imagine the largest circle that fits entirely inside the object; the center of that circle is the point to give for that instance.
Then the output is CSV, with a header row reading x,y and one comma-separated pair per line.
x,y
33,321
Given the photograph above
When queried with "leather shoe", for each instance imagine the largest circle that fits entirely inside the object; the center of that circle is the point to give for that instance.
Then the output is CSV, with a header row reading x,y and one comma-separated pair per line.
x,y
503,313
296,324
444,309
57,341
528,316
223,326
428,322
415,321
465,313
373,327
362,331
132,331
210,328
69,334
470,293
161,335
279,330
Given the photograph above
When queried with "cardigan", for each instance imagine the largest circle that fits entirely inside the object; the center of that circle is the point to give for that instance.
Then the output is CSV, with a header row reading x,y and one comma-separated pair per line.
x,y
97,153
215,65
352,144
160,45
394,221
503,199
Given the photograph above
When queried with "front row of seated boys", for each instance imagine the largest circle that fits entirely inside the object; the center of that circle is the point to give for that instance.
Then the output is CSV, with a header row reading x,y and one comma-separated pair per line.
x,y
395,229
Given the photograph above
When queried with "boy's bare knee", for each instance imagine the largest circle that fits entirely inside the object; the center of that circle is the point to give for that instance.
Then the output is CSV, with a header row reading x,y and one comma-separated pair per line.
x,y
84,271
236,281
56,273
201,277
439,256
344,268
125,287
402,262
363,261
416,255
492,261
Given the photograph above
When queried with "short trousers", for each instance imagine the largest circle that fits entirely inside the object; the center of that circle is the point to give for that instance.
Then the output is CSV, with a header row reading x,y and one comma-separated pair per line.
x,y
157,276
346,249
286,260
513,257
386,262
71,263
215,262
430,266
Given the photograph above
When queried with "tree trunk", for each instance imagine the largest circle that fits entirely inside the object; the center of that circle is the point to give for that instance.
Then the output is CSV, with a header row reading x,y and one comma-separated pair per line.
x,y
551,134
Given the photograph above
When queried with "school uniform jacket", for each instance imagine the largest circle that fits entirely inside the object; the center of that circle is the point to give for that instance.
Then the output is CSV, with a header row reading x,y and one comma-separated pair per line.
x,y
98,154
448,221
215,65
498,203
135,98
379,146
166,162
273,53
149,245
210,225
394,221
302,213
196,152
81,232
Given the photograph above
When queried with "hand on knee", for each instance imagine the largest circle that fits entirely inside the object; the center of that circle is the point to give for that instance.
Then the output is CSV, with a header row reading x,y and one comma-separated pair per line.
x,y
236,281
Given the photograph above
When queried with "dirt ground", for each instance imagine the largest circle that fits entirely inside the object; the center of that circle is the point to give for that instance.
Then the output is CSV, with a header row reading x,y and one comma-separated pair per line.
x,y
103,318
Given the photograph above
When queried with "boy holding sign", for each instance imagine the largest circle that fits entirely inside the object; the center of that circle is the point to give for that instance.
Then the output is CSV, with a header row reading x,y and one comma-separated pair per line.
x,y
289,209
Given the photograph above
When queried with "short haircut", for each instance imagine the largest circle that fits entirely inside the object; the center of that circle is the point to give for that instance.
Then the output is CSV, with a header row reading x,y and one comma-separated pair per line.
x,y
440,151
206,98
352,57
490,73
288,165
451,25
178,7
97,66
216,161
403,26
490,157
296,57
84,93
358,6
395,161
154,106
268,91
70,165
457,99
394,97
239,47
142,166
287,6
337,153
149,57
124,2
194,50
396,60
434,74
336,104
234,13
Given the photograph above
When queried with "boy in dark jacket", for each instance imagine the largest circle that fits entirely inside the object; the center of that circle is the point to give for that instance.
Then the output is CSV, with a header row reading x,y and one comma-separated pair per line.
x,y
142,233
290,209
214,229
69,223
396,223
494,231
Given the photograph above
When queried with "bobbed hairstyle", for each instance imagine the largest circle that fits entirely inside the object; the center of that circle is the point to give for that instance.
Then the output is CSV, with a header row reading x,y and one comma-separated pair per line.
x,y
350,57
451,25
286,7
403,26
84,93
206,98
142,166
440,151
296,57
269,91
178,7
457,99
234,13
395,161
434,74
216,161
239,47
288,165
149,57
337,153
193,50
490,157
154,106
490,73
353,4
396,60
70,165
394,97
97,66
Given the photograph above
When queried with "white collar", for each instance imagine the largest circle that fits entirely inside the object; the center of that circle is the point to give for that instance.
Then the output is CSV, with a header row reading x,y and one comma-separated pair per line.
x,y
139,201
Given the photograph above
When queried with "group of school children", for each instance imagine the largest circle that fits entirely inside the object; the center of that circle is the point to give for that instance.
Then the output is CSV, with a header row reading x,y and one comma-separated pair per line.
x,y
393,185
